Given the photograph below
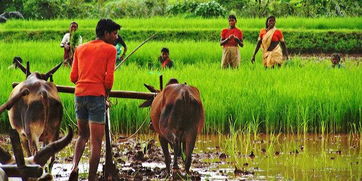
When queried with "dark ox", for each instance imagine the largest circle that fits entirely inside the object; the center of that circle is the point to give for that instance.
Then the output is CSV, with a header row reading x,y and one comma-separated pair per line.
x,y
40,157
177,116
36,115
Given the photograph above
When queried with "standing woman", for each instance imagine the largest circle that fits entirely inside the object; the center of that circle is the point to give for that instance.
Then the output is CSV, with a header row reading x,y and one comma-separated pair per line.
x,y
272,42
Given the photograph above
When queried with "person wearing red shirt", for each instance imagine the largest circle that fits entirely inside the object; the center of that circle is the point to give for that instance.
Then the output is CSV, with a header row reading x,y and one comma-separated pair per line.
x,y
269,39
92,72
231,39
164,59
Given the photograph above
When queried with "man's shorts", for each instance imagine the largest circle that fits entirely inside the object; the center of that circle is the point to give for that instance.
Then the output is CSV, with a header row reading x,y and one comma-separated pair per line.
x,y
90,108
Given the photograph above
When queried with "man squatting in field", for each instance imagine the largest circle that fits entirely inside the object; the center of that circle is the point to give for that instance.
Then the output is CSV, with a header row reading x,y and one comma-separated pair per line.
x,y
269,39
93,74
68,44
231,38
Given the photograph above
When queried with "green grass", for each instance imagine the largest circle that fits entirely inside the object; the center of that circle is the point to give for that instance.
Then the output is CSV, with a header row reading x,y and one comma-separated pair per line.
x,y
184,52
304,96
177,23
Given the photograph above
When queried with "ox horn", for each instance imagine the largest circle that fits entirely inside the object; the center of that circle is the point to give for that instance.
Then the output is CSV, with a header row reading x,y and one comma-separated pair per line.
x,y
14,99
151,88
5,156
41,157
52,71
17,62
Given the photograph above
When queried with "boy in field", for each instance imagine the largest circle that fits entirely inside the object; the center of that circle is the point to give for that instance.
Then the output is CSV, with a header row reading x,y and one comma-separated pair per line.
x,y
231,40
164,59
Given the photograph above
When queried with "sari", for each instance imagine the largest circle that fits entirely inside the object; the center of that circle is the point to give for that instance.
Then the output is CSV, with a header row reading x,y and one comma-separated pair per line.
x,y
270,58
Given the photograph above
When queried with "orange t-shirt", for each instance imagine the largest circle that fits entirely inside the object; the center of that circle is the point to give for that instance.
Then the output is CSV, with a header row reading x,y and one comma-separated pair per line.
x,y
277,36
225,33
93,68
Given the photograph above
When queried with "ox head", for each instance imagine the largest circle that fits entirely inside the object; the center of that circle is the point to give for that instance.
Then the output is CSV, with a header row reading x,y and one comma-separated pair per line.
x,y
42,156
17,61
148,103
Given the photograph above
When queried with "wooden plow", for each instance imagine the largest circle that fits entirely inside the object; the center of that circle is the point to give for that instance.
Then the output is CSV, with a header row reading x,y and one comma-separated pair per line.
x,y
20,169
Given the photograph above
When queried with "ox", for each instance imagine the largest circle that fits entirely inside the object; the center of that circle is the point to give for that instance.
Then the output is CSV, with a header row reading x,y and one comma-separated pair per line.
x,y
177,116
40,157
35,111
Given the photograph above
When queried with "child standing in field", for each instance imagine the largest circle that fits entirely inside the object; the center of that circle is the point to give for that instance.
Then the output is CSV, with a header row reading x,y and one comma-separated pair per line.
x,y
231,39
164,59
70,41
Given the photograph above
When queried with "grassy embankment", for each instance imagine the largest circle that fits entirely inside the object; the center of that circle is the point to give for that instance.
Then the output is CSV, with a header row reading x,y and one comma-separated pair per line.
x,y
302,35
298,98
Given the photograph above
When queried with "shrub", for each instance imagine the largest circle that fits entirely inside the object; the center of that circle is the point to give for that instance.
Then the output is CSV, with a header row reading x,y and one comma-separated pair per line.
x,y
182,7
210,9
78,9
135,8
43,9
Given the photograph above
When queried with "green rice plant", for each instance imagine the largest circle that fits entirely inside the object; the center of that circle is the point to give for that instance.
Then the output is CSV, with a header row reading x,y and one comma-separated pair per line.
x,y
171,23
303,97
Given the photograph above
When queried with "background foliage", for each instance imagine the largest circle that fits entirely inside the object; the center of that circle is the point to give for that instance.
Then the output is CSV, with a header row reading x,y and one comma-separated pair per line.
x,y
49,9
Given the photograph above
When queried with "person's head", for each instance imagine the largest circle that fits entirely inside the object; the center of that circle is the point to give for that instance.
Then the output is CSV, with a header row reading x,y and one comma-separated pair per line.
x,y
335,59
73,26
165,53
107,30
232,21
270,22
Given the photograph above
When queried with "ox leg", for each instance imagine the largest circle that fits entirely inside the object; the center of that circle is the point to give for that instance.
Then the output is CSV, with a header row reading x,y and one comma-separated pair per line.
x,y
24,144
177,153
190,144
166,153
56,137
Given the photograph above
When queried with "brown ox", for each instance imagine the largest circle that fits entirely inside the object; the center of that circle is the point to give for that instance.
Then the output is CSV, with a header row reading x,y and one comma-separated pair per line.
x,y
40,157
37,114
177,116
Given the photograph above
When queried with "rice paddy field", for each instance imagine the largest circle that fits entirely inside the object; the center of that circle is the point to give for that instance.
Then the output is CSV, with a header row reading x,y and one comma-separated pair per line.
x,y
302,121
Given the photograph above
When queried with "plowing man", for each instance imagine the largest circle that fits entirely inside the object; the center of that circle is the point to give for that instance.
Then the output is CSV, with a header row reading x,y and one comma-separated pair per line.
x,y
92,72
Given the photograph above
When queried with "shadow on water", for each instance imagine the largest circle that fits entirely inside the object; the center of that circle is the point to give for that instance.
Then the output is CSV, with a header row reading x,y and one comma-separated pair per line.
x,y
233,157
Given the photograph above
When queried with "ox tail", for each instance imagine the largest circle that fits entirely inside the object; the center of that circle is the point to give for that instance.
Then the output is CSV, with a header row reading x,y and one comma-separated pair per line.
x,y
45,102
42,156
184,116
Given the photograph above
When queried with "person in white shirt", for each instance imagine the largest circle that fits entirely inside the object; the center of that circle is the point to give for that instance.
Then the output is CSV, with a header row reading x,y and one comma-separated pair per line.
x,y
69,42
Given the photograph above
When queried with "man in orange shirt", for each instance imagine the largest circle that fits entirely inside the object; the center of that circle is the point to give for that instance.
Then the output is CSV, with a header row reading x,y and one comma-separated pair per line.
x,y
92,72
231,39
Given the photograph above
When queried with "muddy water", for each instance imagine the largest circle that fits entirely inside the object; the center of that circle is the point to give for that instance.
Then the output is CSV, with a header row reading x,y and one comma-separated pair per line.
x,y
235,157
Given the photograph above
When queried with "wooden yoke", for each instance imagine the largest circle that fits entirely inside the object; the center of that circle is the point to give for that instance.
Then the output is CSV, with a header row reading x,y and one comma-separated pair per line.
x,y
116,94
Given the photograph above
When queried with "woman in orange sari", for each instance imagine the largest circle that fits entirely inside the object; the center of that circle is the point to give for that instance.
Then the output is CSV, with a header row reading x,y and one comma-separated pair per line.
x,y
272,42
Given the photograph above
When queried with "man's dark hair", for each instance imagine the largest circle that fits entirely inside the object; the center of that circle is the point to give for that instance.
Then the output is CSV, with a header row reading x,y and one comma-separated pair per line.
x,y
266,23
165,50
106,25
336,56
232,17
